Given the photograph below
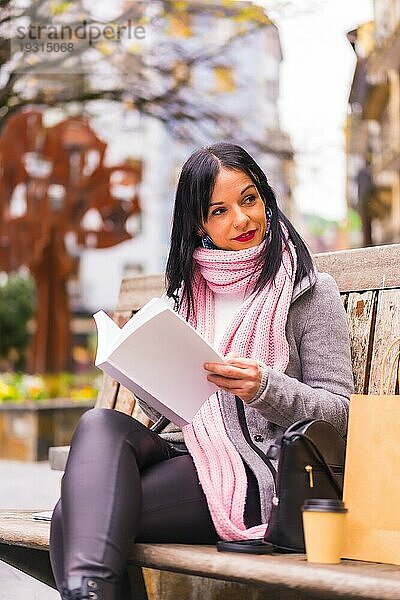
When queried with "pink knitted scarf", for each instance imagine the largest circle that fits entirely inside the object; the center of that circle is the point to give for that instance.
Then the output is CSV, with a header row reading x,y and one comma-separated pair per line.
x,y
257,331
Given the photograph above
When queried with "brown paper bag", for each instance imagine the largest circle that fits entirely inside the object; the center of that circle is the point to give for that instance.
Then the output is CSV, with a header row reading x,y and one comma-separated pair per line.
x,y
372,474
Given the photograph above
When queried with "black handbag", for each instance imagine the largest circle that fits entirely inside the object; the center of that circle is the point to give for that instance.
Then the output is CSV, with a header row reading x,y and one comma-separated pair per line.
x,y
311,464
311,457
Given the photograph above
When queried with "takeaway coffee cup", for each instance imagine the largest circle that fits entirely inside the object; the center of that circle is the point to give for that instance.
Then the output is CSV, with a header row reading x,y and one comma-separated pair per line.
x,y
324,529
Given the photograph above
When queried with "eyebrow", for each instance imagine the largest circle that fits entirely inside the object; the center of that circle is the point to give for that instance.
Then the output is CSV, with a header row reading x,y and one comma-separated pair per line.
x,y
247,187
241,193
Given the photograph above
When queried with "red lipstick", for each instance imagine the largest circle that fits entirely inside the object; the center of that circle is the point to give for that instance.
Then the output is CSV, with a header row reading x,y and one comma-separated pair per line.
x,y
246,237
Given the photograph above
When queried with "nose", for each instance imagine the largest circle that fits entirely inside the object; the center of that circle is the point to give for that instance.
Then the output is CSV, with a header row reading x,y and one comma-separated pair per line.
x,y
240,219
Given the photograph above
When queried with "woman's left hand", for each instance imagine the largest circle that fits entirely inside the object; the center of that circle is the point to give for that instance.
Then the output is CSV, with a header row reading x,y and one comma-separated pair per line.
x,y
239,376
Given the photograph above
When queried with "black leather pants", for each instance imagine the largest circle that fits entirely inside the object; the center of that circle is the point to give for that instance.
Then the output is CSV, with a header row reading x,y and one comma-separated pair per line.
x,y
124,483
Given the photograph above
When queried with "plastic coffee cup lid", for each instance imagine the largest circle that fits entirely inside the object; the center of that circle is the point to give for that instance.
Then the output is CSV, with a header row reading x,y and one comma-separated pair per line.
x,y
324,505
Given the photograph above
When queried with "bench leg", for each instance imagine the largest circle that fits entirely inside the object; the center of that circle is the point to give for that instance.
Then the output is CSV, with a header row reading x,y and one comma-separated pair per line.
x,y
138,587
35,563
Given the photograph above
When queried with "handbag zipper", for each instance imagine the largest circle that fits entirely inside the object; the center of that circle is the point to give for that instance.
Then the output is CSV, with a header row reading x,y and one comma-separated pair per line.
x,y
245,430
311,469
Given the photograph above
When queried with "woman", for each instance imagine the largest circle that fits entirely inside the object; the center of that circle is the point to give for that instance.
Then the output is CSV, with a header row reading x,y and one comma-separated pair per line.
x,y
240,273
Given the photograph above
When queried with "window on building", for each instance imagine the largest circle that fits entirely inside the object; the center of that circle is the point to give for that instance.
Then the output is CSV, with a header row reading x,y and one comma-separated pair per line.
x,y
224,79
132,269
179,25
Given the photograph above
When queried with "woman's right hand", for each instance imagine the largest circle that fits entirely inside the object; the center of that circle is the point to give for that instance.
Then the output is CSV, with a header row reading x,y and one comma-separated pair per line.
x,y
239,376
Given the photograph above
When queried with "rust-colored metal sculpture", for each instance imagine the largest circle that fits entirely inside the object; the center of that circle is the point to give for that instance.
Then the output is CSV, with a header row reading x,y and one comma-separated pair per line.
x,y
49,179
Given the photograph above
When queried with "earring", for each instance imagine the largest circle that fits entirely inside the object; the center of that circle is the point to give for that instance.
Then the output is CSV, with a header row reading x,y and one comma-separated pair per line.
x,y
268,213
207,242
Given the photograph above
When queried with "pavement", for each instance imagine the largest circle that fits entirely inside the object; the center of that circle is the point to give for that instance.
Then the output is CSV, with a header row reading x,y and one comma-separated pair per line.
x,y
34,486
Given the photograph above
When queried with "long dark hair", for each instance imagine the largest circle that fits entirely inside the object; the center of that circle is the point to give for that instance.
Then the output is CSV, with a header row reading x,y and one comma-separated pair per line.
x,y
194,190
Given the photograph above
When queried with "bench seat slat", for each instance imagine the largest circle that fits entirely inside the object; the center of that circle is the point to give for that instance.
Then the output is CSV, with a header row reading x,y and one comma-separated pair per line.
x,y
350,579
18,528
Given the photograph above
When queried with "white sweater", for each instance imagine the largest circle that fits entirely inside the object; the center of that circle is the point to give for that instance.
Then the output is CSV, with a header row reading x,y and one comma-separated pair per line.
x,y
226,306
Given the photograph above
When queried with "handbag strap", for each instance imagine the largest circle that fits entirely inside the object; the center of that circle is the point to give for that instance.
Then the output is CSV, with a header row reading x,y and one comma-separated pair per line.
x,y
319,456
160,424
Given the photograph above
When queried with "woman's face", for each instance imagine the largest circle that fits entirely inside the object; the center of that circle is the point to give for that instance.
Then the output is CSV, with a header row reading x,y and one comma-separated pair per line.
x,y
236,213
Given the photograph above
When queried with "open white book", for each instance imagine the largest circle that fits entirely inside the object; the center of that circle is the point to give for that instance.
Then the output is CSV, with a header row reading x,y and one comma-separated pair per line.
x,y
159,357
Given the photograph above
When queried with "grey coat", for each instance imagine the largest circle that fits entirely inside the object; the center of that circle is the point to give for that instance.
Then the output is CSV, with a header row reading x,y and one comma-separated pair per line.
x,y
317,382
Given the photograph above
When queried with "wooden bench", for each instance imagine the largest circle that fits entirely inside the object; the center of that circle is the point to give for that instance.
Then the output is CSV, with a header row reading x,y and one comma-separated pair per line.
x,y
369,282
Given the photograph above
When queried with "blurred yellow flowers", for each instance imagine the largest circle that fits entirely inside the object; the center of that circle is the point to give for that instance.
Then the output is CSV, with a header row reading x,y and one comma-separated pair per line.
x,y
19,387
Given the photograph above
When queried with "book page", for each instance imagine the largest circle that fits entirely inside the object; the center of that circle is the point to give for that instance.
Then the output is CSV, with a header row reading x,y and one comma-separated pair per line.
x,y
108,335
165,357
151,308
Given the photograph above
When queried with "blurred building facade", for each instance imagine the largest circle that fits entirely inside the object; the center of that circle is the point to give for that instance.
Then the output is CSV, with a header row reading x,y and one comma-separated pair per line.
x,y
243,81
373,125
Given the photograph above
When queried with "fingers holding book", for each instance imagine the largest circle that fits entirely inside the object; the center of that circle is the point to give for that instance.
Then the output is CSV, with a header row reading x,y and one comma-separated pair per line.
x,y
239,376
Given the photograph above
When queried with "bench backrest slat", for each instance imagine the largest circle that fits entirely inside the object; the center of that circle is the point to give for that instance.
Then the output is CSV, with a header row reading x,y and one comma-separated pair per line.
x,y
108,392
362,268
363,276
136,291
360,316
125,401
387,329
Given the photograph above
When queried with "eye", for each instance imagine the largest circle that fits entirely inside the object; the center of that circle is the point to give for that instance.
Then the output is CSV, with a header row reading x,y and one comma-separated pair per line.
x,y
217,211
249,199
